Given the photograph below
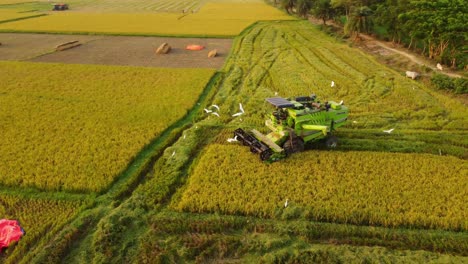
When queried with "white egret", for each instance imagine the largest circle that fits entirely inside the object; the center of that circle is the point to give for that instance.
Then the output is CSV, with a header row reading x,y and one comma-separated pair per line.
x,y
230,140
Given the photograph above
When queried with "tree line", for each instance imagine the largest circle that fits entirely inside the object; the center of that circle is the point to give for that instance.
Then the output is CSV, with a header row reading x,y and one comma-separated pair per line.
x,y
436,28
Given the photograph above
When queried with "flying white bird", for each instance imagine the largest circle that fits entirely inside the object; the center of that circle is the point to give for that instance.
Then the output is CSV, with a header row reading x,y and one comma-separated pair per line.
x,y
241,111
388,131
207,111
332,84
230,140
286,203
216,114
215,106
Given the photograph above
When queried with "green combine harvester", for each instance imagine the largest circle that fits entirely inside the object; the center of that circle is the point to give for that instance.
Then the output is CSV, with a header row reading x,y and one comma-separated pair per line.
x,y
294,123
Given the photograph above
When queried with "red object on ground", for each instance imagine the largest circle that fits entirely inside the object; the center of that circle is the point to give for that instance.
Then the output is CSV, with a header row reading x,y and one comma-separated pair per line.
x,y
10,231
194,47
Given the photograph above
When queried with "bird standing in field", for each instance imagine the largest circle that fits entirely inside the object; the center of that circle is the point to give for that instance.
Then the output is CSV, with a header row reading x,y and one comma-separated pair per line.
x,y
286,203
230,140
332,84
389,131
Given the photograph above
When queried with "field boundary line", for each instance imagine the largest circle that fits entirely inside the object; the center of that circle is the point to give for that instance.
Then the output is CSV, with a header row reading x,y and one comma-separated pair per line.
x,y
21,18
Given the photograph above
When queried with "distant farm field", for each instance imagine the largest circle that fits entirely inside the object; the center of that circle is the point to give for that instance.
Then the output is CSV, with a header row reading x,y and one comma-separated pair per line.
x,y
76,127
386,189
13,14
214,19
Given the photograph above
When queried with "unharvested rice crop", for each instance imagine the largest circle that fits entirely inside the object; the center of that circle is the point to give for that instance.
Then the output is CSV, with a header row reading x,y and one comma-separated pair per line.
x,y
210,21
10,14
371,188
133,6
76,127
9,2
39,217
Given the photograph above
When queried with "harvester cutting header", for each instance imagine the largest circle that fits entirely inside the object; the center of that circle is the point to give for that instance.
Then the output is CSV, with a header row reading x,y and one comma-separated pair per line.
x,y
293,123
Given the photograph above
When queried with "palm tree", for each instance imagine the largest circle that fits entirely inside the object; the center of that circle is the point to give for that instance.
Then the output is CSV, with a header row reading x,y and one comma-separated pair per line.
x,y
359,21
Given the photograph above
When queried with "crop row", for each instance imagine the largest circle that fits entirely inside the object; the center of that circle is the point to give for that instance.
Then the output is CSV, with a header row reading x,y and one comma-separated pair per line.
x,y
387,189
78,130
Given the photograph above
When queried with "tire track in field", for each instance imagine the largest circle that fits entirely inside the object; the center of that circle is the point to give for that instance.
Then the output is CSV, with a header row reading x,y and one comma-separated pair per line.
x,y
329,62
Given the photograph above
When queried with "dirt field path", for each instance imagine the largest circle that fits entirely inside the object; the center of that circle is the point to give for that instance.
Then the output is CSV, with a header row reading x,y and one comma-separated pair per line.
x,y
114,50
411,56
387,49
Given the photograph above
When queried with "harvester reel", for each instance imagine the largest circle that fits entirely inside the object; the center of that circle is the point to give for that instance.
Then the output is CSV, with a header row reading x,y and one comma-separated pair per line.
x,y
265,155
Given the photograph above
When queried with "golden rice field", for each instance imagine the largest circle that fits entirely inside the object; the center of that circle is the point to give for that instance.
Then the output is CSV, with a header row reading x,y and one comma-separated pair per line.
x,y
134,6
76,127
9,2
372,188
8,14
210,21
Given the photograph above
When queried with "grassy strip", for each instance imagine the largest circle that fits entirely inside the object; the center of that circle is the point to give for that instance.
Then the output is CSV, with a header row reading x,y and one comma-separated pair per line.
x,y
169,222
144,160
117,34
21,18
32,193
437,143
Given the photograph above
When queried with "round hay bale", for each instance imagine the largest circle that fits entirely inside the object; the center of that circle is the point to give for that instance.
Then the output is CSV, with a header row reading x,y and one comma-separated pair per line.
x,y
212,53
163,49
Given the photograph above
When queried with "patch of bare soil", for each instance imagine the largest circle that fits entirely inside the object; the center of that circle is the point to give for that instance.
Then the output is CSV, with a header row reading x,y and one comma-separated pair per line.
x,y
116,50
19,47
